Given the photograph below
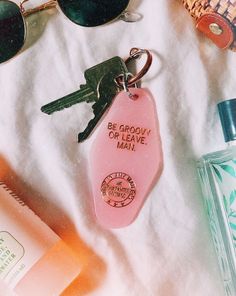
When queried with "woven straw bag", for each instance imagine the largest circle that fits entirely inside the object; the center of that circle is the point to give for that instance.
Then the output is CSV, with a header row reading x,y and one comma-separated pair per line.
x,y
216,19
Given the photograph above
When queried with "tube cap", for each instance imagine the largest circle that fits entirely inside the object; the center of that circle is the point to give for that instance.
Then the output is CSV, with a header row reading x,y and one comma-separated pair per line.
x,y
227,112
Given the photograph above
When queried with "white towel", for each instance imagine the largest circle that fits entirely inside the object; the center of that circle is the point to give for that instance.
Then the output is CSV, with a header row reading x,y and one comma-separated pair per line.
x,y
168,250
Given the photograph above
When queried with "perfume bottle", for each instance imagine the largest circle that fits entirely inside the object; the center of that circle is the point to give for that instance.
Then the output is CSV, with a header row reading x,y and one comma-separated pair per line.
x,y
33,259
217,174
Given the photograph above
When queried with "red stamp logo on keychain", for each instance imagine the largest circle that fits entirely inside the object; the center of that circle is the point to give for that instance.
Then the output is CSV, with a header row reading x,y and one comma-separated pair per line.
x,y
118,190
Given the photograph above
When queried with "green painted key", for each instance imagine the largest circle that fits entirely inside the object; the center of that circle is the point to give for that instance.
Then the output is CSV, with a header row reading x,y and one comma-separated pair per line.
x,y
100,85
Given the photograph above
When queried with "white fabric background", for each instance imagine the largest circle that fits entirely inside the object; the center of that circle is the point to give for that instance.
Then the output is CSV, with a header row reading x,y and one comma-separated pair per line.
x,y
168,250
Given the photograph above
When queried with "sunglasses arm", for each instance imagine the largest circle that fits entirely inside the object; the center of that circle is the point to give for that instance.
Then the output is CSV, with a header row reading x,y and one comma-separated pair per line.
x,y
47,5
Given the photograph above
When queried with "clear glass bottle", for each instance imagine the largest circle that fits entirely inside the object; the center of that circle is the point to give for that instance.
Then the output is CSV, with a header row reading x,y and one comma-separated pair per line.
x,y
217,174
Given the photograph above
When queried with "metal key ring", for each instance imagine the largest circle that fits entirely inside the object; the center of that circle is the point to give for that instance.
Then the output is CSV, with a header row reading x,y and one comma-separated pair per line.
x,y
136,53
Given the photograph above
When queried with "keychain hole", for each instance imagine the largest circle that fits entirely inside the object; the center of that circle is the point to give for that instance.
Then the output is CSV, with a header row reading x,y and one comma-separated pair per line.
x,y
133,97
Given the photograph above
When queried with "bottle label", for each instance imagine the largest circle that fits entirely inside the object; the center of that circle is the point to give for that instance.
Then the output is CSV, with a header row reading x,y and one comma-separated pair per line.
x,y
225,176
11,252
24,238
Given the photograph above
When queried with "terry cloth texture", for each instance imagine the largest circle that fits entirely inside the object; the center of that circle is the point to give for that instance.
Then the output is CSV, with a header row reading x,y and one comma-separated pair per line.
x,y
168,250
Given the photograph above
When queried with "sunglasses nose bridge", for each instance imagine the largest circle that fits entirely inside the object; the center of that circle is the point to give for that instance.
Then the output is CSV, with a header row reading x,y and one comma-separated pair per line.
x,y
47,5
22,7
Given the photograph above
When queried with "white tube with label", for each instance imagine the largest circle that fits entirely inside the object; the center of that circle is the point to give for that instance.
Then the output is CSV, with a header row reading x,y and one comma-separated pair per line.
x,y
33,259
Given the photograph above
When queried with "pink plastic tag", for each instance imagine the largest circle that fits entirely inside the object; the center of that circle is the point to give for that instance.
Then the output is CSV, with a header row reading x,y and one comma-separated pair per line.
x,y
126,158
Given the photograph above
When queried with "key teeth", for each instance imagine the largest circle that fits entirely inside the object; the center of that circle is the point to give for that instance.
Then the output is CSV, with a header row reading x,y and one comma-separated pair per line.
x,y
84,135
81,137
52,109
82,86
44,110
99,88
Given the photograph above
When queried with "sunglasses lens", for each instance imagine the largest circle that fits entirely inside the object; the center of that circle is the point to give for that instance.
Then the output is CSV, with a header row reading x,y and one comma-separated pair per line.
x,y
90,13
12,30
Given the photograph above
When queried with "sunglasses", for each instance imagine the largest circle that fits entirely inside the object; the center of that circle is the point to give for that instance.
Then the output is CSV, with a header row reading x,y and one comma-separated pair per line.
x,y
88,13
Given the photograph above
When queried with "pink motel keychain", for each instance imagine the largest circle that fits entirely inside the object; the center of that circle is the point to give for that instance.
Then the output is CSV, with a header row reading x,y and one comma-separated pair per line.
x,y
126,157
